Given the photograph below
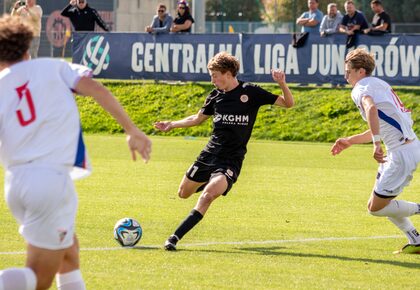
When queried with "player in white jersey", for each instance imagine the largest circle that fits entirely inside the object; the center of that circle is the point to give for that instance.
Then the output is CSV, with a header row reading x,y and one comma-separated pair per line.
x,y
390,122
40,145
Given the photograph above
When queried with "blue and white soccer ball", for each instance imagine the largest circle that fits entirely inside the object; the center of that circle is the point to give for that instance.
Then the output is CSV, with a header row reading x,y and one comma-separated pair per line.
x,y
127,232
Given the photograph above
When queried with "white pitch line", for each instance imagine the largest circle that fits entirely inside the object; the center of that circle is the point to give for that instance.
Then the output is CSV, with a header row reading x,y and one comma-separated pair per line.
x,y
240,243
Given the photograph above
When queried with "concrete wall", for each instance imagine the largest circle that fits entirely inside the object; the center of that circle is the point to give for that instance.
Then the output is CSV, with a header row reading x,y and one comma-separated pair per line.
x,y
134,15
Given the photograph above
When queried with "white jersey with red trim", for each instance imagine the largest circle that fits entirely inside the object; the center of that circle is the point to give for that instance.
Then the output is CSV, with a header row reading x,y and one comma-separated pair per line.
x,y
39,119
396,124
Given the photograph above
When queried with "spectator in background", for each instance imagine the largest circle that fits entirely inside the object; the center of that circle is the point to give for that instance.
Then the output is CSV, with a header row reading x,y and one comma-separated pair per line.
x,y
82,16
161,22
310,22
311,19
381,22
32,14
331,22
184,20
353,22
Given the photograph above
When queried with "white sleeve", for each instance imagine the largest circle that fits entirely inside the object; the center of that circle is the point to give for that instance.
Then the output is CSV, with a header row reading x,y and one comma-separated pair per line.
x,y
71,73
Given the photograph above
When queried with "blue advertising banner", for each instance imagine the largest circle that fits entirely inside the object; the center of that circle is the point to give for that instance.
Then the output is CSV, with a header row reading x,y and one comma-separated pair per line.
x,y
184,57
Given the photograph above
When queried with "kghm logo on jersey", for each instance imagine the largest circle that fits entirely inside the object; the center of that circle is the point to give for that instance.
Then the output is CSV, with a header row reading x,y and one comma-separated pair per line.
x,y
96,55
229,119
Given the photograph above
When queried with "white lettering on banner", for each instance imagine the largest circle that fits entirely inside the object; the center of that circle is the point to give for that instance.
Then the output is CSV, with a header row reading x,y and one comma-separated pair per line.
x,y
292,63
389,60
378,53
148,58
267,63
176,47
409,60
274,58
136,63
162,57
188,58
156,57
327,59
201,60
338,54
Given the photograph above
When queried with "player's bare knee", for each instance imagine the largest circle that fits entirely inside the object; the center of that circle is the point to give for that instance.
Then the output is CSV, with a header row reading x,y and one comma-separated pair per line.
x,y
208,197
182,193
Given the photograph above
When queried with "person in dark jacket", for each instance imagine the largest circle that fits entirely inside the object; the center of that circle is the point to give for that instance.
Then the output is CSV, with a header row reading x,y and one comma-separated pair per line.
x,y
184,20
82,16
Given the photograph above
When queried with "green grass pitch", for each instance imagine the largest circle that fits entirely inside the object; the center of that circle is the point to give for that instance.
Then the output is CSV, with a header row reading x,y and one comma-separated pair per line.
x,y
296,219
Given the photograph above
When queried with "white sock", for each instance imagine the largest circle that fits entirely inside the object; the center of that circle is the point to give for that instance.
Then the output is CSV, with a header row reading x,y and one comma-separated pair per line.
x,y
407,227
70,281
398,209
17,279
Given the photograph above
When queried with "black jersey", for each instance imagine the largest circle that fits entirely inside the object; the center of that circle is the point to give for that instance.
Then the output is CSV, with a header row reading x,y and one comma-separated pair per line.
x,y
381,18
83,19
234,115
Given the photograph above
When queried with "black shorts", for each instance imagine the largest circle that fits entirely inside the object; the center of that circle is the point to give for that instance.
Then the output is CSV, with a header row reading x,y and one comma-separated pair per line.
x,y
208,165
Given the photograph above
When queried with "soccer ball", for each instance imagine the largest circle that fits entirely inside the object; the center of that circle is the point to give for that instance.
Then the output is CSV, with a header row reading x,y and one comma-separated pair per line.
x,y
127,232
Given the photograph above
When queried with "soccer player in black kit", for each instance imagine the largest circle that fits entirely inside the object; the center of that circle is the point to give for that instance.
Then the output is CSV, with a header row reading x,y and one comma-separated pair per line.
x,y
234,106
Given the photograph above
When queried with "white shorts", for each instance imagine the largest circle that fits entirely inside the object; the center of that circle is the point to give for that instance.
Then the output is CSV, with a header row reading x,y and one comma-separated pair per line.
x,y
397,172
43,200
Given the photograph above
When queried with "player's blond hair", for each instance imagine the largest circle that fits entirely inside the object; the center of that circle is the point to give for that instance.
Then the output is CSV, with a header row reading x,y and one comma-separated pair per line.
x,y
224,62
360,58
15,38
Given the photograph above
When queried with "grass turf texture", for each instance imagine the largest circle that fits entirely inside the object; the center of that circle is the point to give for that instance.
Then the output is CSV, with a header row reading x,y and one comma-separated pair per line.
x,y
320,114
286,191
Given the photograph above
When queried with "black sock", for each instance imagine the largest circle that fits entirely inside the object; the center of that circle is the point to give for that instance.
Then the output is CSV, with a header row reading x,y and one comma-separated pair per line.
x,y
192,219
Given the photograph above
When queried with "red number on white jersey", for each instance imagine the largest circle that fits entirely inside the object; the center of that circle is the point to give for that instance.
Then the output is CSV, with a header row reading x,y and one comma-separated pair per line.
x,y
399,103
24,94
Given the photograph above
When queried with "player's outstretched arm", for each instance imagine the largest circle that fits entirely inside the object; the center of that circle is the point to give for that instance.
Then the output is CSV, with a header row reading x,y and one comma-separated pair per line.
x,y
286,100
344,143
190,121
136,139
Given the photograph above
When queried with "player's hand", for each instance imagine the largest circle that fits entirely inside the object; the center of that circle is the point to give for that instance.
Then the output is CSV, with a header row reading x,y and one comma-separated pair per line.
x,y
138,142
278,76
72,2
378,153
339,145
163,126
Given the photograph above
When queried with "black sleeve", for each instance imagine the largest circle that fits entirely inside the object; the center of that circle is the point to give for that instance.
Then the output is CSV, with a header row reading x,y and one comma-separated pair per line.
x,y
387,19
261,97
66,11
99,20
208,107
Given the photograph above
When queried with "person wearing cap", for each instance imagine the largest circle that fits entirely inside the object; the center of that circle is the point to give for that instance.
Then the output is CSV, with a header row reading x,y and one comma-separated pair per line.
x,y
184,20
82,16
161,22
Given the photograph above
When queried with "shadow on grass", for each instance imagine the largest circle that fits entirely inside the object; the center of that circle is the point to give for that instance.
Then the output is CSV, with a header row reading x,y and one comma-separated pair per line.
x,y
275,251
280,251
